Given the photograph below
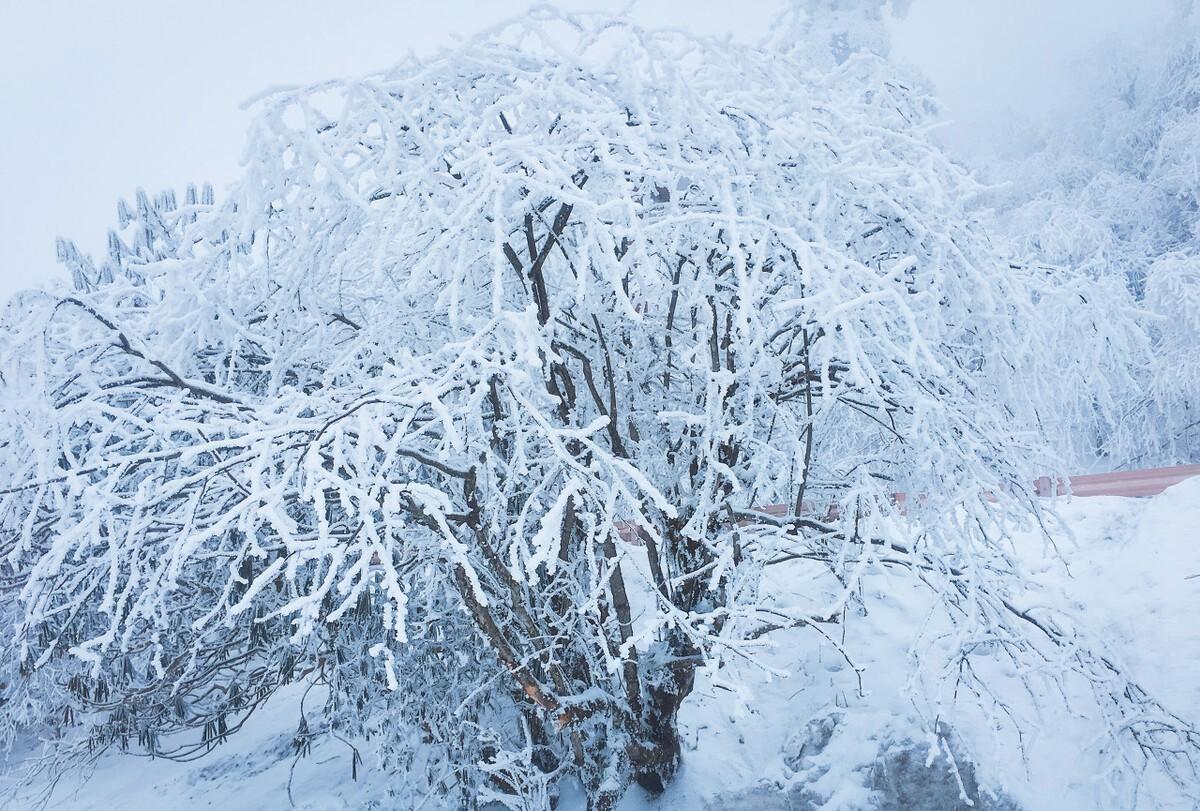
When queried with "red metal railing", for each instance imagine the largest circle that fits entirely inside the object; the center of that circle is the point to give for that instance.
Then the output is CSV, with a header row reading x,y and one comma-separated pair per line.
x,y
1132,483
1128,483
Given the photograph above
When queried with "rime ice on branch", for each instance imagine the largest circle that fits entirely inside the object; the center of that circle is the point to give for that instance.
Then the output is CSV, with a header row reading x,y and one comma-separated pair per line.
x,y
378,418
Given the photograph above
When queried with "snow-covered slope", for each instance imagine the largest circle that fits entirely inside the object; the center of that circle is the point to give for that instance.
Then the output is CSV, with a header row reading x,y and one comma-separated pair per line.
x,y
808,734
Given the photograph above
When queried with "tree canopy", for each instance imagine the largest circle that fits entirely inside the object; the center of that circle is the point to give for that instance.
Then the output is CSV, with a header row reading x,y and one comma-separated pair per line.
x,y
466,401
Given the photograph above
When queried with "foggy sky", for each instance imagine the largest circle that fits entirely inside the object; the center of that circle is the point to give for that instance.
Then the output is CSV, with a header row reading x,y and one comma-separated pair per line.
x,y
99,99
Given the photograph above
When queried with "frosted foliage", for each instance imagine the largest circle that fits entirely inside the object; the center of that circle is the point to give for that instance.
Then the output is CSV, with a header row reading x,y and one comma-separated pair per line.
x,y
390,418
829,32
1173,293
1113,192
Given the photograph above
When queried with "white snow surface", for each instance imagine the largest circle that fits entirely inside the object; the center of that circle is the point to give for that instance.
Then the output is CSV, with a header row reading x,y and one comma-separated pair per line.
x,y
1130,568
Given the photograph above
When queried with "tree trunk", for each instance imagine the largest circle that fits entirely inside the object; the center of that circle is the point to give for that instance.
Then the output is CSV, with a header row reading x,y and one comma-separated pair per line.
x,y
656,748
604,800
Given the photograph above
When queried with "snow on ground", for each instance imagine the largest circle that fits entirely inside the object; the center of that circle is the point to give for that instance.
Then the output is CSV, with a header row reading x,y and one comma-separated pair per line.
x,y
1129,568
250,772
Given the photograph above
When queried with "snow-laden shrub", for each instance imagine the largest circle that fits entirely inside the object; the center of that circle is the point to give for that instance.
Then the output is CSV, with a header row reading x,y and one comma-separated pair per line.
x,y
1173,294
463,404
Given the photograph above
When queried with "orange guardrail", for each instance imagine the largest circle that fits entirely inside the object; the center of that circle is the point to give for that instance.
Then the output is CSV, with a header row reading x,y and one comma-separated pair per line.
x,y
1131,483
1128,483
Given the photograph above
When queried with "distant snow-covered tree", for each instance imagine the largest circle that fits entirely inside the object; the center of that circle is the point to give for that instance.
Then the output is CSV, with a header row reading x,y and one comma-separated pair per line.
x,y
829,32
465,402
1111,191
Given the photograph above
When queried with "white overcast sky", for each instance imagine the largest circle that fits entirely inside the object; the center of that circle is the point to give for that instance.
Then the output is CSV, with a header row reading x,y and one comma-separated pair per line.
x,y
99,98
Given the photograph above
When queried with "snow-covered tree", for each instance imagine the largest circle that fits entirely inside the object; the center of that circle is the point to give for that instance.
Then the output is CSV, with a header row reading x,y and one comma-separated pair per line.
x,y
1110,192
829,32
467,402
